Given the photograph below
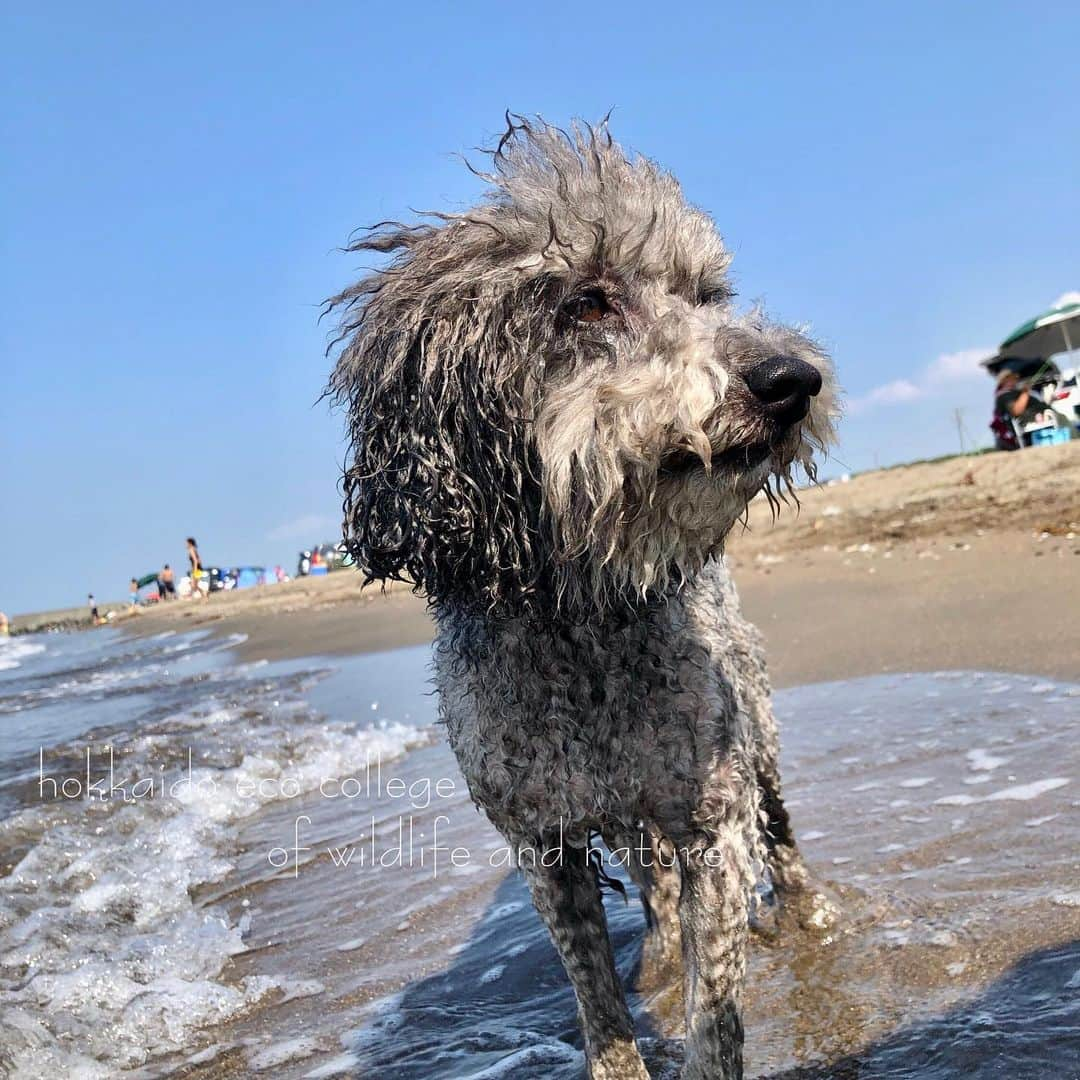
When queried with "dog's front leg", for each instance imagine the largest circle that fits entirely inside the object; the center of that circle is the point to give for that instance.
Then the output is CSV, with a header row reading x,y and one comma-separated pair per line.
x,y
568,899
713,911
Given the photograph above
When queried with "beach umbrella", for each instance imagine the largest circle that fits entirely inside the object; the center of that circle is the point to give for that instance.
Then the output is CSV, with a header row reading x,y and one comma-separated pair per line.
x,y
1054,331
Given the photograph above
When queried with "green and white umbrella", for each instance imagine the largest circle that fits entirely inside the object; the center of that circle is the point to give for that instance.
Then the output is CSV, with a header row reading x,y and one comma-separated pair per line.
x,y
1029,347
1054,331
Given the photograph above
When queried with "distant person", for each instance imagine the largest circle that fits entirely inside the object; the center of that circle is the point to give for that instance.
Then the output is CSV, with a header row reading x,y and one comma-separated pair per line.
x,y
166,582
134,592
196,572
5,627
193,555
1016,401
1001,423
92,604
1014,404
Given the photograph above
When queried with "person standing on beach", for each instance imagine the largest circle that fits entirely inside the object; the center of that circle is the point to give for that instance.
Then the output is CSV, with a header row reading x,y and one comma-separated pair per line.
x,y
196,568
95,618
166,587
134,593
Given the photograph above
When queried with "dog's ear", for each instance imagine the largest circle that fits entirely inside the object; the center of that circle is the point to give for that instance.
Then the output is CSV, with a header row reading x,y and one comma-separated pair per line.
x,y
435,491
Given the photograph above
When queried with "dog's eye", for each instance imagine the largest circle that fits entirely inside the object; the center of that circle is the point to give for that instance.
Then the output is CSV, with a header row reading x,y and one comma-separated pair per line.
x,y
588,307
718,294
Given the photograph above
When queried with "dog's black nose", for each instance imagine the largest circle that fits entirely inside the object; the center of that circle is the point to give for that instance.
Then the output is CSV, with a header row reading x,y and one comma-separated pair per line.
x,y
784,385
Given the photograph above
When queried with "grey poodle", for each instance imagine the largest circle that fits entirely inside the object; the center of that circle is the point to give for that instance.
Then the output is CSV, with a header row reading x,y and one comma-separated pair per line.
x,y
556,417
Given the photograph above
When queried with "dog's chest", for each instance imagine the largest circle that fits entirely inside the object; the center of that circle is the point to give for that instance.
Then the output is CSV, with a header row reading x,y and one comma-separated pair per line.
x,y
593,727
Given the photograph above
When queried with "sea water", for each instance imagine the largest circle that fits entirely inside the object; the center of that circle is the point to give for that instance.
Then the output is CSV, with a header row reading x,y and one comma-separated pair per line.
x,y
254,869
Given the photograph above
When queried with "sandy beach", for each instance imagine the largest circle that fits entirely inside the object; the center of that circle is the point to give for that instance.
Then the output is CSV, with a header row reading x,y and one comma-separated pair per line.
x,y
971,562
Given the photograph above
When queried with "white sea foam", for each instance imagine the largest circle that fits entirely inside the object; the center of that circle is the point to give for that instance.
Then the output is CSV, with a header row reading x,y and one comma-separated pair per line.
x,y
1017,793
956,800
981,760
551,1052
1024,792
115,958
351,945
501,911
99,682
13,652
342,1065
301,988
281,1053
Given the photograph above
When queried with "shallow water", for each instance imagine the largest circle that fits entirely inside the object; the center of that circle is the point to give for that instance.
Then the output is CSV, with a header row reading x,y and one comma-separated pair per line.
x,y
245,923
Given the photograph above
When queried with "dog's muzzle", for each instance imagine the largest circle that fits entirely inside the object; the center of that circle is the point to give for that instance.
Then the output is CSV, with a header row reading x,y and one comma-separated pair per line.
x,y
784,386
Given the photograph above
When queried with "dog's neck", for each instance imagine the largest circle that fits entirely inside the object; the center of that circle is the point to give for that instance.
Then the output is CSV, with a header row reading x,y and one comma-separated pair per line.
x,y
556,608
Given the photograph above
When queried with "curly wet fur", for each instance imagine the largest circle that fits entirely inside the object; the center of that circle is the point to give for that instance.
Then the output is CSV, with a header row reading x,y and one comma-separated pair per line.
x,y
561,490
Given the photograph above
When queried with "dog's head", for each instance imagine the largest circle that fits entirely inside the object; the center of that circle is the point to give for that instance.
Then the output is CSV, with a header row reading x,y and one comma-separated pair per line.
x,y
551,394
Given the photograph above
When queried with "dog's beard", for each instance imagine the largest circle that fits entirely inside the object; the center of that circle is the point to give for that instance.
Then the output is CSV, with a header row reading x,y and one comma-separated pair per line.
x,y
663,517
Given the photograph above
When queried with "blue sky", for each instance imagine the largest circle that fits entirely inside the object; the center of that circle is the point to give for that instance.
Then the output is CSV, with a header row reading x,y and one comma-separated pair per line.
x,y
175,183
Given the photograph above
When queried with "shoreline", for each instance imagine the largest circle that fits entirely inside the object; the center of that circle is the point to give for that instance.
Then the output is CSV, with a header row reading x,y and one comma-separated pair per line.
x,y
997,602
966,563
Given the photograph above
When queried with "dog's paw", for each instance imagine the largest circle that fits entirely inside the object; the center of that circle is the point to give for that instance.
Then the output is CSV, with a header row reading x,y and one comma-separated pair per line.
x,y
765,911
794,899
816,907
